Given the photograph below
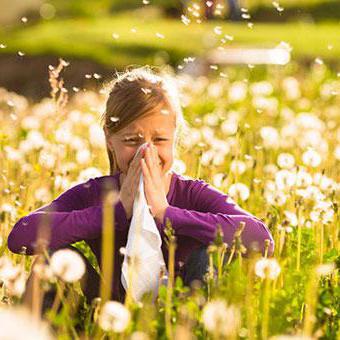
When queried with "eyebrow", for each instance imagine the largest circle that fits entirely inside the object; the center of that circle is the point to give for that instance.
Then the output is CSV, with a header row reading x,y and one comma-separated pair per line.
x,y
138,132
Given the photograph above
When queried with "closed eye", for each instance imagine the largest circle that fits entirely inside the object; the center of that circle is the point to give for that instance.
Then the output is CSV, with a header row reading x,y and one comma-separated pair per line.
x,y
134,140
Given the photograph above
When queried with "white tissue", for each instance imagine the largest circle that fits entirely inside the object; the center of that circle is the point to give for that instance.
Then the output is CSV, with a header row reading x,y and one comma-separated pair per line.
x,y
144,241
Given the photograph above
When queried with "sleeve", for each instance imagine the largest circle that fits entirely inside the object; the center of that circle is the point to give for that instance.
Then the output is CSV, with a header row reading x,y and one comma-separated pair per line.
x,y
212,207
69,217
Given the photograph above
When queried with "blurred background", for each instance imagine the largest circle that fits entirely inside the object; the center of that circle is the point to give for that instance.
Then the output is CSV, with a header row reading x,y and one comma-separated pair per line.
x,y
100,37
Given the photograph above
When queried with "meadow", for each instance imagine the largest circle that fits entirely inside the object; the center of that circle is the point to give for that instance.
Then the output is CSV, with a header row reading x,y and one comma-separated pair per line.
x,y
269,139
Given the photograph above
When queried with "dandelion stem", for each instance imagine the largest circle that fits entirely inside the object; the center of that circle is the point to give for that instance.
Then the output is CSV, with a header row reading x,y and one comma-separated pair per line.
x,y
311,296
107,247
171,266
265,308
321,243
251,316
298,255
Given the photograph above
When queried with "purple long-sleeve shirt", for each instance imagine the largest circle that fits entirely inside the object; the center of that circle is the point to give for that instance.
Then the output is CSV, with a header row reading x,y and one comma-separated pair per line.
x,y
195,208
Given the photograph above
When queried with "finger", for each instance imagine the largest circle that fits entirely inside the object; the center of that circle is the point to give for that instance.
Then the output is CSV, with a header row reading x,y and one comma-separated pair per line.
x,y
155,155
147,157
146,171
136,160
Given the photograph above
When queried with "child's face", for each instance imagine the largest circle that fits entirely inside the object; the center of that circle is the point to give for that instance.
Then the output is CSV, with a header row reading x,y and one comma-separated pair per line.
x,y
158,128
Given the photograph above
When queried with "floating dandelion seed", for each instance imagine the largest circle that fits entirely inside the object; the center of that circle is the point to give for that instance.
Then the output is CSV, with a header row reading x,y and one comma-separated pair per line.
x,y
186,21
244,10
229,37
114,119
214,67
160,35
24,19
88,76
218,30
145,90
146,2
21,54
75,89
115,36
209,3
96,76
330,47
277,6
189,59
122,250
223,75
165,112
133,30
3,46
245,16
250,25
318,61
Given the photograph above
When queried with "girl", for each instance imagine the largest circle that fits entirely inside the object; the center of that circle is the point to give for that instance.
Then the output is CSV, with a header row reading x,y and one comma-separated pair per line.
x,y
142,107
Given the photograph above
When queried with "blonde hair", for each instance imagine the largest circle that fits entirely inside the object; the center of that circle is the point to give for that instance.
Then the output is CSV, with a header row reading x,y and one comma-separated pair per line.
x,y
136,93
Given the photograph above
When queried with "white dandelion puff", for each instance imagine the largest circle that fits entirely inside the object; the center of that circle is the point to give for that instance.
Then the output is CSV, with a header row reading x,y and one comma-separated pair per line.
x,y
31,328
114,316
239,190
325,269
68,265
267,268
311,158
285,160
221,319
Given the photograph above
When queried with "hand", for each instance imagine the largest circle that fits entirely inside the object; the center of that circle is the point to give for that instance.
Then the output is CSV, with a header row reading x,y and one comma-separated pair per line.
x,y
130,183
153,183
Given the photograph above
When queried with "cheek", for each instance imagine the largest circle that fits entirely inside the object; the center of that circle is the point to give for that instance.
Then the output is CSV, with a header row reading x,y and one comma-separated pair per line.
x,y
166,154
126,155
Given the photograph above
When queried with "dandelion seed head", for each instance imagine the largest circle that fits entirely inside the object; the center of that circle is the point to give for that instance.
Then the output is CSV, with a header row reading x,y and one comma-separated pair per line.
x,y
31,328
218,318
114,316
325,269
311,158
285,160
267,268
239,190
68,265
